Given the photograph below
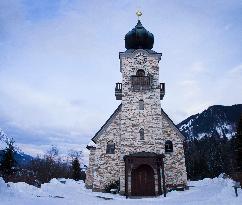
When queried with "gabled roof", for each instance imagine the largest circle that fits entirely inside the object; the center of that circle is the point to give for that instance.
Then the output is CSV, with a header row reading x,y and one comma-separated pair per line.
x,y
115,113
172,124
110,119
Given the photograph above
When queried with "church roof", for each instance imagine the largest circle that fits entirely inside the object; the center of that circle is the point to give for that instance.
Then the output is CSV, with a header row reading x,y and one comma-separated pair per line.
x,y
94,139
107,123
172,123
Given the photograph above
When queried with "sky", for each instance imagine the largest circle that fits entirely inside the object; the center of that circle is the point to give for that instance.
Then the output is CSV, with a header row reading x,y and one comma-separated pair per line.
x,y
59,62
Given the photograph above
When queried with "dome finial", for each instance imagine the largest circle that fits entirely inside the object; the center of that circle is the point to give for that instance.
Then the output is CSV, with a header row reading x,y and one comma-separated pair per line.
x,y
139,37
138,13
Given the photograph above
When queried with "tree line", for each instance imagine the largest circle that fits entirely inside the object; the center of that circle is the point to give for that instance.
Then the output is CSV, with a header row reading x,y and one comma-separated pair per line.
x,y
213,155
40,169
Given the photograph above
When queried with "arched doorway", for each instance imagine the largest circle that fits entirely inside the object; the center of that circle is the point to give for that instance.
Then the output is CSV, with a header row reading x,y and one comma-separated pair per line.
x,y
143,181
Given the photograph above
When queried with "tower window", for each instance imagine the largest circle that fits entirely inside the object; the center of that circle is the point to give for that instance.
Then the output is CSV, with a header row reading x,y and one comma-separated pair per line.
x,y
140,72
110,148
141,104
168,146
140,81
141,134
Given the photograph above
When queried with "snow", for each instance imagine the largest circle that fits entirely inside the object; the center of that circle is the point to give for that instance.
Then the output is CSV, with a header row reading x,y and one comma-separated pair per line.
x,y
201,135
217,191
3,139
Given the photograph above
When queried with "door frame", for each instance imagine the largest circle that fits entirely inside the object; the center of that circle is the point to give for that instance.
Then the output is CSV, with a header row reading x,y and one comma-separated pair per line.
x,y
152,159
136,187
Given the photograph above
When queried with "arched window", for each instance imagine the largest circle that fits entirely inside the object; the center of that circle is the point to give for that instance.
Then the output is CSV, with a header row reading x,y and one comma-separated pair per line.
x,y
168,146
141,104
140,72
141,134
110,148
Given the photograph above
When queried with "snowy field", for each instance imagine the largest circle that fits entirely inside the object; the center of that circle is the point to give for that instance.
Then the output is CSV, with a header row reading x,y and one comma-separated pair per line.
x,y
217,191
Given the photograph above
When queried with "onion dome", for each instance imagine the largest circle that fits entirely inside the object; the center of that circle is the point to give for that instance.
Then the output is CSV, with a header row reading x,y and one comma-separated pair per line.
x,y
139,37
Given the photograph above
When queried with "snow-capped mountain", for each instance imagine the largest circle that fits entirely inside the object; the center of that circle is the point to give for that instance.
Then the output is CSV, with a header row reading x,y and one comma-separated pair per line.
x,y
3,139
20,157
217,119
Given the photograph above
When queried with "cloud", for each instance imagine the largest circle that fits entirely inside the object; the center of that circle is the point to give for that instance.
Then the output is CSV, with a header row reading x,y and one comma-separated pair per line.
x,y
11,18
236,71
202,87
198,68
59,62
63,148
229,86
32,110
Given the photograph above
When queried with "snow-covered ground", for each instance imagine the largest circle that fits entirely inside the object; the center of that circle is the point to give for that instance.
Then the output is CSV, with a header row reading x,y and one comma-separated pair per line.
x,y
217,191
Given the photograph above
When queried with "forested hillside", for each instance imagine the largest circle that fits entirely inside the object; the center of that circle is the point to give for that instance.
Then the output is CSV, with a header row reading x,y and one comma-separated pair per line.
x,y
210,141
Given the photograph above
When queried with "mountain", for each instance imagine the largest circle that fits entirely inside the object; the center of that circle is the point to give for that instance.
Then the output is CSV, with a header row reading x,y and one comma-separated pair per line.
x,y
216,119
20,157
3,139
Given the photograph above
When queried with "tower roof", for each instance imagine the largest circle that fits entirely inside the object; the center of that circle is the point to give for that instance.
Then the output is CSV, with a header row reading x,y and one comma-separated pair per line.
x,y
139,38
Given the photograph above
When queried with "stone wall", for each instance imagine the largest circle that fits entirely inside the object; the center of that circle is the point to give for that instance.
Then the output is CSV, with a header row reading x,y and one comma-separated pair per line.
x,y
123,128
89,172
106,167
133,119
175,169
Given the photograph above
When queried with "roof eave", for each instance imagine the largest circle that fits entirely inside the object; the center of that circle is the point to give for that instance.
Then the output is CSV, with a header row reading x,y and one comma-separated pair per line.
x,y
94,139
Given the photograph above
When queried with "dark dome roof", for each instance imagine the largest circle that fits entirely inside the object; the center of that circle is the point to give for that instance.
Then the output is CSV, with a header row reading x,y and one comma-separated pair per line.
x,y
139,37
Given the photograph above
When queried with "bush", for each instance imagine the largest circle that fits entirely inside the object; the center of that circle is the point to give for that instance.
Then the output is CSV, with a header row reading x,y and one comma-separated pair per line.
x,y
112,185
76,170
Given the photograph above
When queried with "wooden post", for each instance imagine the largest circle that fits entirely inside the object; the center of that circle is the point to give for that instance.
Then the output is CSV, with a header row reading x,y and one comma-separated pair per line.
x,y
236,191
236,186
159,179
126,178
163,177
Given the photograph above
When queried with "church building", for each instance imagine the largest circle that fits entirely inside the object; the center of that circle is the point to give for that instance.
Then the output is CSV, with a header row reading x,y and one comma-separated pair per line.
x,y
139,145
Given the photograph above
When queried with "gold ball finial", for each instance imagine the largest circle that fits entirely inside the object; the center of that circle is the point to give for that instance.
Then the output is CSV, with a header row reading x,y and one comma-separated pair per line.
x,y
138,13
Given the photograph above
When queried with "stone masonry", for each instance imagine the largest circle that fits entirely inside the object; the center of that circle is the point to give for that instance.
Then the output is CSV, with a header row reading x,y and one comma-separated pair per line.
x,y
123,127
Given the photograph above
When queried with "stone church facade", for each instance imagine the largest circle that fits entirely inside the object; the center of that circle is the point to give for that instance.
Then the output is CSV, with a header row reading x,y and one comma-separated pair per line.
x,y
139,145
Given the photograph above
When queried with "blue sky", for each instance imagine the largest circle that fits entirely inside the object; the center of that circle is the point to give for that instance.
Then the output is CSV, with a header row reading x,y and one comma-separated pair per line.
x,y
59,62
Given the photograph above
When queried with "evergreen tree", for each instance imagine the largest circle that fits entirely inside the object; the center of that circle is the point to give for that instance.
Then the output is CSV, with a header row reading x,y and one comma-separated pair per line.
x,y
209,156
76,170
214,155
238,145
8,162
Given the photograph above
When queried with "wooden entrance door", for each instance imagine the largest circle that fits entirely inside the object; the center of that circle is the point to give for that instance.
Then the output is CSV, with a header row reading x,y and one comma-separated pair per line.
x,y
143,181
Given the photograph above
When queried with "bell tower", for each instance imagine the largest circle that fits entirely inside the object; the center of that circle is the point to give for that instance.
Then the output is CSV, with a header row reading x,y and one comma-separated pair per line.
x,y
139,145
139,39
140,93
